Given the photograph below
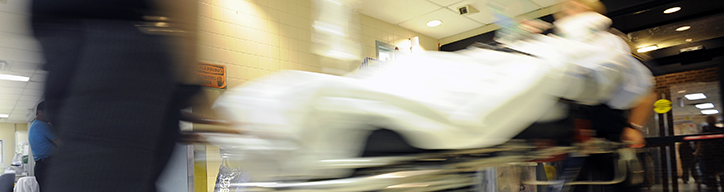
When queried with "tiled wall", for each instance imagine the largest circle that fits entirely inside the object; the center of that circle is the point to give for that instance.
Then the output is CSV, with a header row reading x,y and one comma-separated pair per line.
x,y
256,37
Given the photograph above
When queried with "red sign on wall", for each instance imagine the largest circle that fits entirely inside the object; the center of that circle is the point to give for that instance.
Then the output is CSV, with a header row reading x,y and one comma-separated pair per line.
x,y
212,75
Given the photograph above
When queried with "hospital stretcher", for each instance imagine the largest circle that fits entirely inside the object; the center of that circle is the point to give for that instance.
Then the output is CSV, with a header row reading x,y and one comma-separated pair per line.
x,y
456,170
430,121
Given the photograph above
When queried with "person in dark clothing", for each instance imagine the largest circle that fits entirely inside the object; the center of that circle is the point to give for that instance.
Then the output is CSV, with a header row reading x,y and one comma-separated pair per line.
x,y
113,90
688,162
43,142
709,151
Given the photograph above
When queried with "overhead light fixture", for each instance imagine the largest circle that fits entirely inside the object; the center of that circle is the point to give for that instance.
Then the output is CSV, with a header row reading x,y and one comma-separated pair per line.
x,y
695,96
709,111
704,105
4,115
647,48
688,40
683,28
672,10
14,77
434,23
682,91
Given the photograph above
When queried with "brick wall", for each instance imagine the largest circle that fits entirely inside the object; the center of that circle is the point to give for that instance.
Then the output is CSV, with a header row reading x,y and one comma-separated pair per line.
x,y
664,82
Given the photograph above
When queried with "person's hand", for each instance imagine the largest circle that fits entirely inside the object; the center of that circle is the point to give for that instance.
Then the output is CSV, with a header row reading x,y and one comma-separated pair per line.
x,y
634,136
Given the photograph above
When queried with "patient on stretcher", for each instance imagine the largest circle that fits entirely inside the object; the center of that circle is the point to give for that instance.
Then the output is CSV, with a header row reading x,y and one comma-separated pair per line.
x,y
474,98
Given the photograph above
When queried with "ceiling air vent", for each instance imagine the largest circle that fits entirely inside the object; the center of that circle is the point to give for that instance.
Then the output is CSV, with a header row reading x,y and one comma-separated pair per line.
x,y
467,9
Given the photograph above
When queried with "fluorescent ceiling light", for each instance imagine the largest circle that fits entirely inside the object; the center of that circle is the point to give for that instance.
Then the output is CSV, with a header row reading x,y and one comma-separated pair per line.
x,y
672,10
688,40
709,111
695,96
647,48
14,77
434,23
705,105
683,28
4,115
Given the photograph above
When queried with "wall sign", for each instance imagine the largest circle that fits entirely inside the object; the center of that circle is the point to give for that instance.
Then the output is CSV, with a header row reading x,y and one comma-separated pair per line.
x,y
662,106
212,75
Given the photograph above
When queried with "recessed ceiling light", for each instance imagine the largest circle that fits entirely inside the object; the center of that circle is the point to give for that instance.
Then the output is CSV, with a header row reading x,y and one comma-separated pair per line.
x,y
705,105
647,48
709,111
695,96
14,77
682,91
434,23
688,40
672,10
4,115
683,28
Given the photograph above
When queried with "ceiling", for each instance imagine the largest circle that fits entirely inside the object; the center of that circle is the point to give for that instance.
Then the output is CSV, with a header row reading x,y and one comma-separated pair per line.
x,y
19,55
414,14
684,107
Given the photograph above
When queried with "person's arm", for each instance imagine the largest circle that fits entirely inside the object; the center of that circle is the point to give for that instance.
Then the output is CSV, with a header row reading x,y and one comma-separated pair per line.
x,y
638,118
48,133
698,148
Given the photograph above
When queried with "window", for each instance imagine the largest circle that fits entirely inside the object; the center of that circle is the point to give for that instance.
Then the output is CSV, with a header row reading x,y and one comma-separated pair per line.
x,y
385,52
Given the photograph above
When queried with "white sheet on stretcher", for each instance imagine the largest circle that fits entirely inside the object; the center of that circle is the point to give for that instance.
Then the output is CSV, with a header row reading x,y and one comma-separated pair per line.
x,y
474,98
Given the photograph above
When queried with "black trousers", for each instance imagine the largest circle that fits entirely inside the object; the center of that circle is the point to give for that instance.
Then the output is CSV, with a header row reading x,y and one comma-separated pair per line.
x,y
111,93
41,171
688,162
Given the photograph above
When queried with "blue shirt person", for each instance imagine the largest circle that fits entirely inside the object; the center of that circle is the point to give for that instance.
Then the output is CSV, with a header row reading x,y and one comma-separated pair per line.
x,y
43,143
41,138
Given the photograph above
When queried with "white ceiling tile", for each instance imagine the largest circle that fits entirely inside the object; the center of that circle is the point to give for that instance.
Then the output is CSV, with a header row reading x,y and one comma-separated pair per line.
x,y
34,85
16,6
546,3
14,23
8,103
30,98
396,11
516,7
18,55
483,15
18,41
452,24
9,97
22,67
446,3
22,112
37,77
33,93
25,104
10,90
12,84
24,109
